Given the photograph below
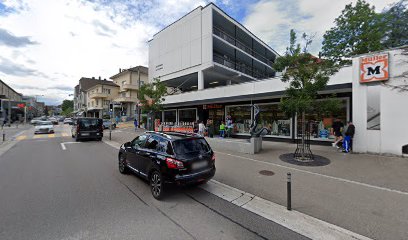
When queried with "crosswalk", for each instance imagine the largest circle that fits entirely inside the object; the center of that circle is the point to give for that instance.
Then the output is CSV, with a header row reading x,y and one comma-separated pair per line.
x,y
42,136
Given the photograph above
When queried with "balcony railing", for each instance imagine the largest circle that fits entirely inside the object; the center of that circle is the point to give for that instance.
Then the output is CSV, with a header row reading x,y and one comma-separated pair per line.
x,y
98,95
220,33
240,66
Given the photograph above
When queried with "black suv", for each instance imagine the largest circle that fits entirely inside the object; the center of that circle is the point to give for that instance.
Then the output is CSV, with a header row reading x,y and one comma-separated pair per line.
x,y
87,128
165,158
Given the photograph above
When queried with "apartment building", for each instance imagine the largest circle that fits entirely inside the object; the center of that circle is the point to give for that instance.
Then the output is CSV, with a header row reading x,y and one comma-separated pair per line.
x,y
129,82
9,99
80,94
99,97
207,48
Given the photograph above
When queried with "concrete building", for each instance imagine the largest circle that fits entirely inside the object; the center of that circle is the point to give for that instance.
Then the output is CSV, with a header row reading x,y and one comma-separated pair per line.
x,y
205,49
80,94
99,97
9,99
129,82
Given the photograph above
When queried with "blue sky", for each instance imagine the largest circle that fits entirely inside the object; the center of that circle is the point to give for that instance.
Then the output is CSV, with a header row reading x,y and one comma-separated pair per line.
x,y
47,45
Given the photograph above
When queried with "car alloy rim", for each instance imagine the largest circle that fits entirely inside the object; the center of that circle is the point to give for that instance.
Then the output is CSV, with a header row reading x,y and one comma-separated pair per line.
x,y
121,163
156,184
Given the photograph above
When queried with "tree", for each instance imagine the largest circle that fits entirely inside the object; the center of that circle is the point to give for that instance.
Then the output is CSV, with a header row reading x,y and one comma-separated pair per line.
x,y
67,104
306,76
357,30
395,24
151,98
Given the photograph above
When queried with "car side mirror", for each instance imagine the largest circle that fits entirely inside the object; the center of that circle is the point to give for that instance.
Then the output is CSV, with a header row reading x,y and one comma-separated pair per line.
x,y
128,145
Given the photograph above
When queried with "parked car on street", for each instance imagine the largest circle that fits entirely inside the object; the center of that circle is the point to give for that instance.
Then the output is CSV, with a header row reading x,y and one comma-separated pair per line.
x,y
87,128
68,121
35,121
53,120
163,158
107,123
44,127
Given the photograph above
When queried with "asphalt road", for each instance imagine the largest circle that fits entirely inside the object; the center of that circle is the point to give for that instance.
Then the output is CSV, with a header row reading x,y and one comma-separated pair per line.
x,y
50,193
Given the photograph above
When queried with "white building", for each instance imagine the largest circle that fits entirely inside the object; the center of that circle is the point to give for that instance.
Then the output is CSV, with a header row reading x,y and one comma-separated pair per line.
x,y
216,68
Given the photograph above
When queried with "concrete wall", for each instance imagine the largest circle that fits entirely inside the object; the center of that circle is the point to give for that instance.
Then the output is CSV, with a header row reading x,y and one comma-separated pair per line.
x,y
256,87
183,45
393,106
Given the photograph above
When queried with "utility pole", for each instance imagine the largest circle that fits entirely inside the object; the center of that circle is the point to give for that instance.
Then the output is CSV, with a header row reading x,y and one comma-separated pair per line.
x,y
9,112
25,114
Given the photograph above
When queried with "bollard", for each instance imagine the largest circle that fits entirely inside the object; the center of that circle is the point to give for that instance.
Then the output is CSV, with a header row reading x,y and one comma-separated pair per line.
x,y
4,136
110,134
289,191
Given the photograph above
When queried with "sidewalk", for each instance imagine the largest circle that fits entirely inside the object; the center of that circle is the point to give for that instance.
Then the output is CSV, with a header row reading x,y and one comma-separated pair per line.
x,y
367,194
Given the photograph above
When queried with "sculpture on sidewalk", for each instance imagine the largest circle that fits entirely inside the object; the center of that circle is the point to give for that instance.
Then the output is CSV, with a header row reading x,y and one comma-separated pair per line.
x,y
260,132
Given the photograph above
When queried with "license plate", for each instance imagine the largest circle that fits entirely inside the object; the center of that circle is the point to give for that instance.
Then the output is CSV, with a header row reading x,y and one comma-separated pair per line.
x,y
85,134
198,165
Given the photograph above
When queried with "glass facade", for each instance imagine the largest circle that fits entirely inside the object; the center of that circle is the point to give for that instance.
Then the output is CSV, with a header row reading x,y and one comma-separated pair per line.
x,y
241,118
321,124
187,115
170,117
272,118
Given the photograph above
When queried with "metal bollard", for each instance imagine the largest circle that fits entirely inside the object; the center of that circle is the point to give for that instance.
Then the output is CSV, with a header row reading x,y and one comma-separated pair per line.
x,y
4,136
110,134
289,191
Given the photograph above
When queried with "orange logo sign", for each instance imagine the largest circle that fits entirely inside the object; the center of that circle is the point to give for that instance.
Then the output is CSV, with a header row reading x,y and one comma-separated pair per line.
x,y
374,68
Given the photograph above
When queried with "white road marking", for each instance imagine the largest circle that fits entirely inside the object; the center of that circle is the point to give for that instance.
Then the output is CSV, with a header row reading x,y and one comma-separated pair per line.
x,y
320,175
296,221
63,144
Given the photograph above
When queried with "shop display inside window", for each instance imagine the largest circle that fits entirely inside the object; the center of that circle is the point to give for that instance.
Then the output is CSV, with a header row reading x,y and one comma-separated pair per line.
x,y
241,118
272,118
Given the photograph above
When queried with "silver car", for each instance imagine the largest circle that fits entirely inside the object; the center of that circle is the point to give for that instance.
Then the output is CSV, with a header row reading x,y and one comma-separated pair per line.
x,y
44,127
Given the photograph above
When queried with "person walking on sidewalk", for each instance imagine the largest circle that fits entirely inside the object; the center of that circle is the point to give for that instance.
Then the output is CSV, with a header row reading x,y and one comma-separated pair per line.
x,y
337,129
222,129
348,138
136,125
201,128
210,128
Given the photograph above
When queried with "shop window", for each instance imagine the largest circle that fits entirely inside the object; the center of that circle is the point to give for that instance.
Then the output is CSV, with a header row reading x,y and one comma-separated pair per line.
x,y
170,117
187,116
241,118
274,119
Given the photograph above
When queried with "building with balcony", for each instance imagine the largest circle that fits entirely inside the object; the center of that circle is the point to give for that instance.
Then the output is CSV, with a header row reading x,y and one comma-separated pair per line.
x,y
80,94
129,82
207,48
99,96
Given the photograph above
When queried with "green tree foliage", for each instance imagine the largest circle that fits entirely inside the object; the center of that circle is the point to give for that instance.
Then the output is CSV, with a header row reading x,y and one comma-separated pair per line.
x,y
151,96
305,74
357,30
67,104
395,24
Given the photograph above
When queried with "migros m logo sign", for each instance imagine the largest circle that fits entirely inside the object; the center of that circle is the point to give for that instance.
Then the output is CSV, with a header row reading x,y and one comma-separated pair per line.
x,y
374,68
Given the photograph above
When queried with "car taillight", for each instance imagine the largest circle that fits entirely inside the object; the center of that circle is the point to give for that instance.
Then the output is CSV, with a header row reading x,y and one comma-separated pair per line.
x,y
173,163
213,157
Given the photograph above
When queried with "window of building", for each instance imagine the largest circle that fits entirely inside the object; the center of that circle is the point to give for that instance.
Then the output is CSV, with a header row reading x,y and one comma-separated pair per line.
x,y
187,115
241,118
274,119
170,117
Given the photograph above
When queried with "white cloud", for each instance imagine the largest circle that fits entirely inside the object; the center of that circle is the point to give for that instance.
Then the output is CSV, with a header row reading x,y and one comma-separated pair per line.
x,y
272,20
76,38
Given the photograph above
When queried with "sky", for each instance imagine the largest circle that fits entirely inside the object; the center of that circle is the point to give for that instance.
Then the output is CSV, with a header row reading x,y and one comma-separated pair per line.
x,y
46,46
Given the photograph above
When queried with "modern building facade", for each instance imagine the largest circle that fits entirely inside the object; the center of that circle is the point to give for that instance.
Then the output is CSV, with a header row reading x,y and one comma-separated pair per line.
x,y
205,49
129,82
80,94
9,99
99,97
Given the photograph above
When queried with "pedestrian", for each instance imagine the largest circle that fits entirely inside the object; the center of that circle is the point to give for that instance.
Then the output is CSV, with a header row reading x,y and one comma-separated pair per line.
x,y
337,129
222,129
210,127
348,139
117,119
201,128
135,123
229,126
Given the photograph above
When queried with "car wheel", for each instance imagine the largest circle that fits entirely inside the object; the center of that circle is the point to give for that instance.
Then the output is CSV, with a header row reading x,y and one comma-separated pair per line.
x,y
122,165
156,185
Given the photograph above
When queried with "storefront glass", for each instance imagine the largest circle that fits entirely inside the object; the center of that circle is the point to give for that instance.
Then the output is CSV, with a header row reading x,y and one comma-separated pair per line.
x,y
241,118
170,117
321,124
272,118
187,116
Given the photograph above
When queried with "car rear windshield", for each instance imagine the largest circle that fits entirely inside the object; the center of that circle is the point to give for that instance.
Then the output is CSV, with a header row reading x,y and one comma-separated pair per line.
x,y
190,145
89,124
45,123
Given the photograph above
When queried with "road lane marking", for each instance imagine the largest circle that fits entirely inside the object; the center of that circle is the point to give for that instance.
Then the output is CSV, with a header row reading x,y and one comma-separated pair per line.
x,y
296,221
63,145
65,134
19,138
320,175
39,136
51,135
